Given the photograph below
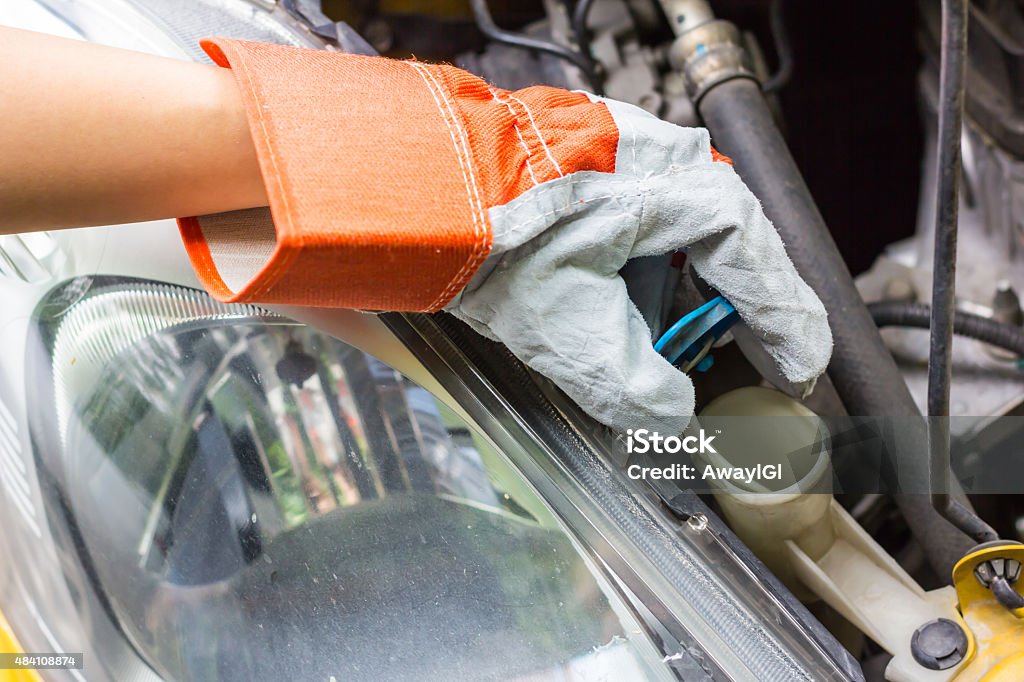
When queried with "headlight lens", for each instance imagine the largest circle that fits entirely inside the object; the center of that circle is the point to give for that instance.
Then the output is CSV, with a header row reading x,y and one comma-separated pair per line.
x,y
261,501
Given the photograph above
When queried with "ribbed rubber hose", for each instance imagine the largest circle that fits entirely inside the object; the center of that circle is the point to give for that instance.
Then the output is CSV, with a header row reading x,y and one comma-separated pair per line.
x,y
918,315
862,369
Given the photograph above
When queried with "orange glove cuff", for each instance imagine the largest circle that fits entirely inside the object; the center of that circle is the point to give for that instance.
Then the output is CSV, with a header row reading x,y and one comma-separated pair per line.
x,y
379,175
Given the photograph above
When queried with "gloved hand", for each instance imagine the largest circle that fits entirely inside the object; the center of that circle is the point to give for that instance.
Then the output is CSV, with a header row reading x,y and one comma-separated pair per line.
x,y
405,186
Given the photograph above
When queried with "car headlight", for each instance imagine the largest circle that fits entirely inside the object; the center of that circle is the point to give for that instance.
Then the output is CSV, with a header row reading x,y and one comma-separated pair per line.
x,y
251,498
257,500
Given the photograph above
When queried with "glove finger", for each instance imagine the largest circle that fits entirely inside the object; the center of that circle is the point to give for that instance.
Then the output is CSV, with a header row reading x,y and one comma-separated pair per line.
x,y
710,212
576,326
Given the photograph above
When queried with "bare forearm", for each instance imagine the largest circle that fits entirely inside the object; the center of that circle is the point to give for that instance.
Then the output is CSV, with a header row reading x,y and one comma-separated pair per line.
x,y
92,135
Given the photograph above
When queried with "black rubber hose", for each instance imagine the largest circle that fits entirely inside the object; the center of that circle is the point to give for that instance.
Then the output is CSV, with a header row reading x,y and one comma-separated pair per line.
x,y
862,369
918,315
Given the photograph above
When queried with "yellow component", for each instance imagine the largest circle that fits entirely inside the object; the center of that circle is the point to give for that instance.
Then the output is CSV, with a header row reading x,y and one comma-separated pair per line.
x,y
998,632
9,645
1007,670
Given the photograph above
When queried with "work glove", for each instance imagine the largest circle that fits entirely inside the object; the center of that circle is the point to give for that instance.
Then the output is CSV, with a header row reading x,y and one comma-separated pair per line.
x,y
398,185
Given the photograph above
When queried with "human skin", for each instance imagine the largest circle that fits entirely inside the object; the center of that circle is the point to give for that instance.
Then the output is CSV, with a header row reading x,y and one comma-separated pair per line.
x,y
94,135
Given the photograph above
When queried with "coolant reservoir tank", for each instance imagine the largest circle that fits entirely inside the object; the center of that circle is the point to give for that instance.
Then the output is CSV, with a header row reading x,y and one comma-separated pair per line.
x,y
761,426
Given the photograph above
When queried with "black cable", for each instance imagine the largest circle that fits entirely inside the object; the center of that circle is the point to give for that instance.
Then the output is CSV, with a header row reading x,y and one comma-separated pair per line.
x,y
918,315
486,24
783,48
947,197
951,107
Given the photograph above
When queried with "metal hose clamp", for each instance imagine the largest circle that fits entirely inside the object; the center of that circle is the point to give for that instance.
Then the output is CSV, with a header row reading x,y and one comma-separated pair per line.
x,y
709,54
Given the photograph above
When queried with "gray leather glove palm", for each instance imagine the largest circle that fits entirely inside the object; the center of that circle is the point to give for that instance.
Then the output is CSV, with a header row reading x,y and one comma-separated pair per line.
x,y
551,291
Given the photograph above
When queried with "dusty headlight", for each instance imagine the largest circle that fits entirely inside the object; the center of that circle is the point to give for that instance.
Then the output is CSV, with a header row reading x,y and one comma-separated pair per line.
x,y
255,500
